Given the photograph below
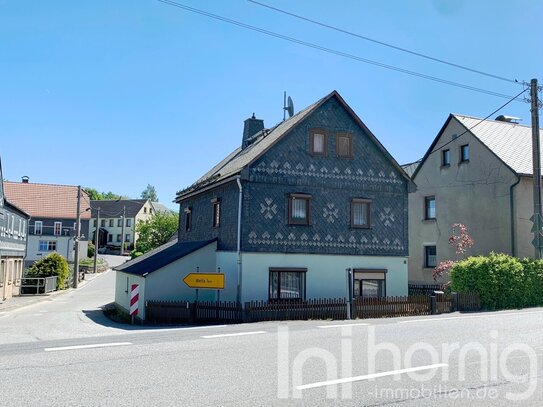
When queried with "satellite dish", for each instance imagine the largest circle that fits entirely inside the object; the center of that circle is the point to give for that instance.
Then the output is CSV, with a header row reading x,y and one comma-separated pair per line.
x,y
290,107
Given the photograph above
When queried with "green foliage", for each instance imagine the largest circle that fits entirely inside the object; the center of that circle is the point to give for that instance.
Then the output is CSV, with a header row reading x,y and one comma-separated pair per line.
x,y
150,193
51,265
156,231
134,254
100,196
502,281
91,249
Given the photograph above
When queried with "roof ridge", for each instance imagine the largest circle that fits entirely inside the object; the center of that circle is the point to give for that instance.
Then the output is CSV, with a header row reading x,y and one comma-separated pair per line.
x,y
42,184
489,120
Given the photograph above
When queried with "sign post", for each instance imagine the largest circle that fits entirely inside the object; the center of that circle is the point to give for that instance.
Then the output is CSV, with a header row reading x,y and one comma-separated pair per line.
x,y
134,299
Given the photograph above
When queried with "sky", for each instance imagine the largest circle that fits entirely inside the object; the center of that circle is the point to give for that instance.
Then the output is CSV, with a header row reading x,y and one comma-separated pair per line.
x,y
115,95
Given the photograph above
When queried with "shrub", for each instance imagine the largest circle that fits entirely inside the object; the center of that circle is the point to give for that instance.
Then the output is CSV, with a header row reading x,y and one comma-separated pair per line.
x,y
134,254
52,265
502,281
91,249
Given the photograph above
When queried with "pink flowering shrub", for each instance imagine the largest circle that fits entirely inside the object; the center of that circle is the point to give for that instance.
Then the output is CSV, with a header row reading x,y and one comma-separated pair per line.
x,y
461,242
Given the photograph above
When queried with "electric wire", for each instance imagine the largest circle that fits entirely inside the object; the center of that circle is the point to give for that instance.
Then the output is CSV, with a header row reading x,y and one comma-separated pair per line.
x,y
334,52
478,123
341,30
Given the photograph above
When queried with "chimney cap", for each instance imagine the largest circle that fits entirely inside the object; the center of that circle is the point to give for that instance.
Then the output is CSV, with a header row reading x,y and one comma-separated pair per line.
x,y
25,179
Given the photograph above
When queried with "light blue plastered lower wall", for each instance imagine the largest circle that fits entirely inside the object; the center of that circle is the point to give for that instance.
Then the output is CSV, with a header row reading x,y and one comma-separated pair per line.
x,y
326,276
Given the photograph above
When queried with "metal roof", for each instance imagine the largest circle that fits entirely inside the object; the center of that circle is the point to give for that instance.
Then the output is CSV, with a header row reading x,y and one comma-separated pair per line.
x,y
161,256
411,167
511,142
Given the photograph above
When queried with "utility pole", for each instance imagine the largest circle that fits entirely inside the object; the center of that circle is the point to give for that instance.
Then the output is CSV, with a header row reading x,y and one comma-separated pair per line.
x,y
536,159
122,230
96,239
77,234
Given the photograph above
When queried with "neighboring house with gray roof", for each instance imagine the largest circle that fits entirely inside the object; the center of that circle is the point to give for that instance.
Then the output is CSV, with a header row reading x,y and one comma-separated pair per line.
x,y
117,218
292,209
479,173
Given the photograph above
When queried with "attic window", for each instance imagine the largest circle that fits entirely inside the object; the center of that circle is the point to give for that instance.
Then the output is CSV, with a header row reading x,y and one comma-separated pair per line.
x,y
344,145
317,142
464,153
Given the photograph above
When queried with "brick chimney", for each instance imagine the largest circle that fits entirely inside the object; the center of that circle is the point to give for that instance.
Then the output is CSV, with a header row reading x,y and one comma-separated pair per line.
x,y
25,179
251,126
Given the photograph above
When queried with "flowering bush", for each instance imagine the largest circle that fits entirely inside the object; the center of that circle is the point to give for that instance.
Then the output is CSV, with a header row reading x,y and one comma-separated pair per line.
x,y
460,242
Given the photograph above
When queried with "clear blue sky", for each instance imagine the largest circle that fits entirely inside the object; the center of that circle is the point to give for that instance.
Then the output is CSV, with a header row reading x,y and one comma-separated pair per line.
x,y
118,94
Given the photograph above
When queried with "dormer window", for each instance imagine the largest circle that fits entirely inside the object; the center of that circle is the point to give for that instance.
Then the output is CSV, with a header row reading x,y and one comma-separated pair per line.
x,y
317,142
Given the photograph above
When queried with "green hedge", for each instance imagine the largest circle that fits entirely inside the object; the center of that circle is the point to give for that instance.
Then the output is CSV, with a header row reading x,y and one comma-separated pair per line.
x,y
52,265
502,281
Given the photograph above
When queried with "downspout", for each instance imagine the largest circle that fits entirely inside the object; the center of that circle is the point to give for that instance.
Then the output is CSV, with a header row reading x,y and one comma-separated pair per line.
x,y
240,201
512,208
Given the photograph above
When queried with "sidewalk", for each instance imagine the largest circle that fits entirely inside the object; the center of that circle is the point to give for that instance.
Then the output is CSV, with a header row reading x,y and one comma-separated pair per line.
x,y
29,299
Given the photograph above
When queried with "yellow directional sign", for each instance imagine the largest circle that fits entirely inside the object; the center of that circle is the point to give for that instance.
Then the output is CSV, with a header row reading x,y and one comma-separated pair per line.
x,y
205,280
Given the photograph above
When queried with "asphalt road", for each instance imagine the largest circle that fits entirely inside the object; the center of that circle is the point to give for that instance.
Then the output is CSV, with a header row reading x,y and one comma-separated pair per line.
x,y
63,352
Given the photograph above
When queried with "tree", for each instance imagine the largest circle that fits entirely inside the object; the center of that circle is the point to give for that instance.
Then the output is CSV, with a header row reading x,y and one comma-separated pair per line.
x,y
156,231
94,195
150,193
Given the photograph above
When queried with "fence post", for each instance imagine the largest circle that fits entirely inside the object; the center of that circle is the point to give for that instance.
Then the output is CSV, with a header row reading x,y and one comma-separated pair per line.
x,y
455,302
433,300
246,312
193,311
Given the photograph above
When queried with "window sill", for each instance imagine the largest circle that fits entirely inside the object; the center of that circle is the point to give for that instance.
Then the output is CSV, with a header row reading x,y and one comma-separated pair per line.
x,y
430,220
361,227
300,224
445,166
463,162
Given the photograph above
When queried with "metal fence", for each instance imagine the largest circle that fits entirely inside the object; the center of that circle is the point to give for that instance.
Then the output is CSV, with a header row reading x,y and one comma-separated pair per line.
x,y
38,285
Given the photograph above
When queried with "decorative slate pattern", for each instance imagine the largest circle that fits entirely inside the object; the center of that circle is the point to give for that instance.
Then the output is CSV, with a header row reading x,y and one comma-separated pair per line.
x,y
332,182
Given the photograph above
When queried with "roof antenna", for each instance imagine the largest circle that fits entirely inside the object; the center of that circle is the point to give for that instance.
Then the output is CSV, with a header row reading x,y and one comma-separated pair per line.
x,y
288,106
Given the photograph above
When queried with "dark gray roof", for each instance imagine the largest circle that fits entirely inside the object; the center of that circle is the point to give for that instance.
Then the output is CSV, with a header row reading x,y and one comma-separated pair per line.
x,y
240,159
158,207
161,256
114,208
411,167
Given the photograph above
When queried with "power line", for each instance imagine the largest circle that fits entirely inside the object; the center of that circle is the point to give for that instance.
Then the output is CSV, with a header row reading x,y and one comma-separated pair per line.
x,y
334,52
385,43
478,123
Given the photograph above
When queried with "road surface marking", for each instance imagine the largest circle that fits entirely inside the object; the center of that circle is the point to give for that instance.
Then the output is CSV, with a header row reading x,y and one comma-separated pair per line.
x,y
470,316
236,334
95,345
341,325
159,330
369,376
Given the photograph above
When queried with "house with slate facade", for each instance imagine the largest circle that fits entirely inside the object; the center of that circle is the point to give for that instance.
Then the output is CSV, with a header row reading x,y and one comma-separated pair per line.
x,y
13,235
290,210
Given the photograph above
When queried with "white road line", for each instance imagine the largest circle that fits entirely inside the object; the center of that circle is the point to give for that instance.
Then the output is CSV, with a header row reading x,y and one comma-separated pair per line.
x,y
369,376
470,316
94,345
236,334
341,325
160,330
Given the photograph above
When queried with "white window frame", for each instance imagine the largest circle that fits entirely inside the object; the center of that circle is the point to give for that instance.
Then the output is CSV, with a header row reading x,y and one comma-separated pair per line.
x,y
40,223
59,229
